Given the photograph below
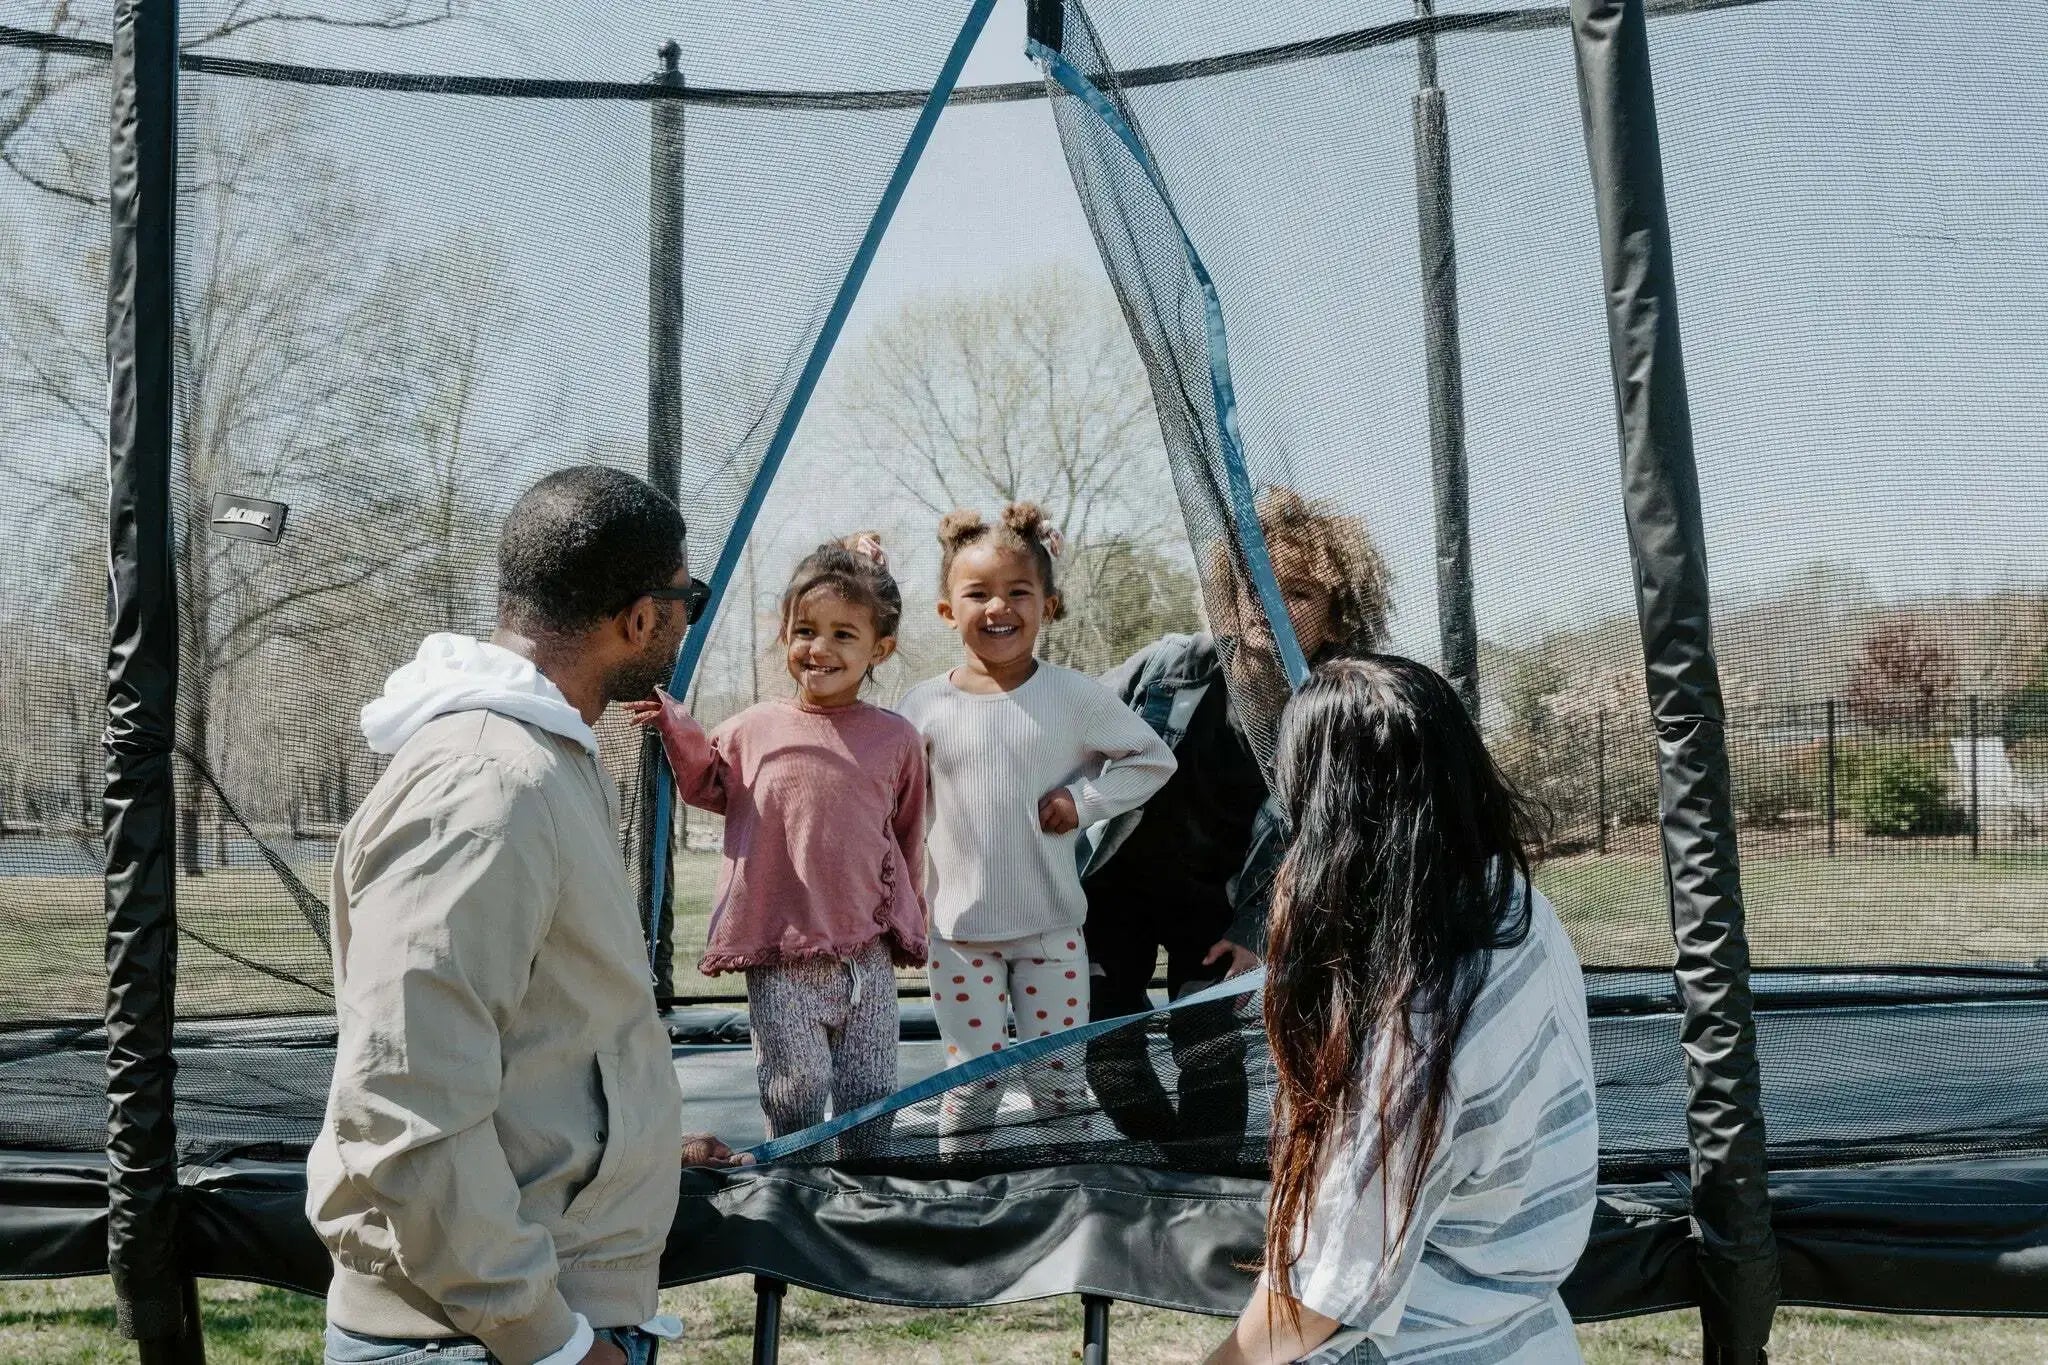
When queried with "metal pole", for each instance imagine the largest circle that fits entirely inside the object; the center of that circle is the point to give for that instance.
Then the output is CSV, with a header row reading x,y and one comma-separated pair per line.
x,y
1457,629
1600,769
1974,808
665,281
1831,776
768,1319
1094,1329
664,460
155,1300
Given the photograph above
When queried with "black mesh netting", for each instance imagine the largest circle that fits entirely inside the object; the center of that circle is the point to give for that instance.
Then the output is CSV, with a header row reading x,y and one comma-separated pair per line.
x,y
1190,1088
395,315
1860,279
53,521
409,284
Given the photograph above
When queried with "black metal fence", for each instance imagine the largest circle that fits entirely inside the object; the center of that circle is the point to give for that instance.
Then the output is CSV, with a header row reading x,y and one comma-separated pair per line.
x,y
1952,772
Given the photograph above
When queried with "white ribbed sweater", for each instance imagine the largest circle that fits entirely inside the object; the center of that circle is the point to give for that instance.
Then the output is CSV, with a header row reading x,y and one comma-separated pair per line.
x,y
994,874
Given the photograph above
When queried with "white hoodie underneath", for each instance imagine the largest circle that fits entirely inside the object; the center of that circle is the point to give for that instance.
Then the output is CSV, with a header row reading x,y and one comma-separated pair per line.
x,y
458,673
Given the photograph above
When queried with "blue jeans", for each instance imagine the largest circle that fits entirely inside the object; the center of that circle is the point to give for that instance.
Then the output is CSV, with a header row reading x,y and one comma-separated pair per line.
x,y
351,1348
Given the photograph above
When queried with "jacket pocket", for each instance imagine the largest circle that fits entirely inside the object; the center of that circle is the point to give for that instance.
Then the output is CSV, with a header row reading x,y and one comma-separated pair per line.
x,y
614,1105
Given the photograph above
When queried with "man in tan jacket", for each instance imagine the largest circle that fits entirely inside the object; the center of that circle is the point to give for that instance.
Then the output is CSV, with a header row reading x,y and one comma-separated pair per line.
x,y
498,1167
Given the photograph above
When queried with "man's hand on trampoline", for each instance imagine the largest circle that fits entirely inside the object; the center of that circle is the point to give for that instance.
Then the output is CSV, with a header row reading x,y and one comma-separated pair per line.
x,y
1239,959
1056,813
702,1149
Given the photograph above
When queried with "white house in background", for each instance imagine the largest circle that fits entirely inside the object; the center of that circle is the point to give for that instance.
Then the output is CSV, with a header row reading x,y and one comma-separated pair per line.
x,y
2005,800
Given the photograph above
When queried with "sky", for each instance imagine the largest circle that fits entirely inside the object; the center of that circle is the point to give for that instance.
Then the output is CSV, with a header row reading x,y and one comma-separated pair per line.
x,y
1860,278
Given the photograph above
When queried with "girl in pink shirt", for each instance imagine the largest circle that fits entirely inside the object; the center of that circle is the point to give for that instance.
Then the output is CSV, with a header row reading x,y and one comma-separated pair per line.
x,y
821,887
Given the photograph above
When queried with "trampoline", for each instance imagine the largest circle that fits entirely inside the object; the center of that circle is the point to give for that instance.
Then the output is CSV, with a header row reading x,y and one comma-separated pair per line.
x,y
1870,1209
356,283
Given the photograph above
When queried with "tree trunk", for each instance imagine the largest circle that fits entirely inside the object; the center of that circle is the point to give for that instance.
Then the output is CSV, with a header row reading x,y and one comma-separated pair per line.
x,y
753,602
195,690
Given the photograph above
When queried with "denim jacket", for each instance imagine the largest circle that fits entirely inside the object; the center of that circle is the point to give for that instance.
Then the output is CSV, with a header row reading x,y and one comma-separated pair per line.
x,y
1165,683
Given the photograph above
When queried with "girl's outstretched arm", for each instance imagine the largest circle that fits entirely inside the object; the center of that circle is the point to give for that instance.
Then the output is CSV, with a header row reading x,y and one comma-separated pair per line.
x,y
1265,1334
700,769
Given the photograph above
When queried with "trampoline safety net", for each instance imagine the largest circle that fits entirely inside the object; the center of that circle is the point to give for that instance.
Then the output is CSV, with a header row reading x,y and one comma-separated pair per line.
x,y
429,252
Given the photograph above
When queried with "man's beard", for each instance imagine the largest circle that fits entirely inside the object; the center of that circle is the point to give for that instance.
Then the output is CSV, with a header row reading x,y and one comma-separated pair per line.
x,y
636,679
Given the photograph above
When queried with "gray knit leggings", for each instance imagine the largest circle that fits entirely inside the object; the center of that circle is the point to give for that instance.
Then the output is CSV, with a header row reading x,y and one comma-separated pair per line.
x,y
824,1029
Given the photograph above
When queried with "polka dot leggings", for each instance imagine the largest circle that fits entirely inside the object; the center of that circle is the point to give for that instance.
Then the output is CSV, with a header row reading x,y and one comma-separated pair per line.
x,y
979,988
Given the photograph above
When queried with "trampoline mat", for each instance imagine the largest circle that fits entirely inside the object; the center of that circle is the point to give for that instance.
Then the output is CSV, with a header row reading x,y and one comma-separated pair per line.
x,y
1857,1068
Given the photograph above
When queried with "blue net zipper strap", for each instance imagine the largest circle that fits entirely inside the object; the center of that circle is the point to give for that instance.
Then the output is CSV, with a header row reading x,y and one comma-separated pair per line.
x,y
1243,505
995,1063
785,431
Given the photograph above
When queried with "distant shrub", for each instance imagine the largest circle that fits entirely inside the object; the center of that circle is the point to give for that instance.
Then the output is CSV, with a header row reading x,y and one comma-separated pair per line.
x,y
2026,711
1557,764
1900,794
1774,781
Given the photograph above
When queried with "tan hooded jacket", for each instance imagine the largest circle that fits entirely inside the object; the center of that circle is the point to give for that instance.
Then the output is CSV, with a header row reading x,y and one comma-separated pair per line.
x,y
500,1147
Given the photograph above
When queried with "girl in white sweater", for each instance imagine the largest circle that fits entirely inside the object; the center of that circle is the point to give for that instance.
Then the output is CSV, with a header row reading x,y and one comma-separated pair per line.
x,y
1023,754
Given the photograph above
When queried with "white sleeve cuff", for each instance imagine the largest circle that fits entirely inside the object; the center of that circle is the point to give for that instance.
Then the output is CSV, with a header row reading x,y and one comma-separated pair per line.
x,y
666,1326
575,1348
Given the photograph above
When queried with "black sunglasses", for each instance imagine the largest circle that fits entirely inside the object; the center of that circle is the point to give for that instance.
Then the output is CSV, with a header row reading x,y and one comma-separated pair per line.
x,y
694,595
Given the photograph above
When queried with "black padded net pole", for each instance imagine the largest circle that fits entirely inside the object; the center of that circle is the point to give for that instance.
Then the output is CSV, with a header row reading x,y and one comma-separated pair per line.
x,y
1457,626
1667,541
154,1302
664,456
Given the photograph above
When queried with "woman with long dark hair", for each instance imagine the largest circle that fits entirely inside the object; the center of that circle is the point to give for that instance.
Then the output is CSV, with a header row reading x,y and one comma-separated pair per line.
x,y
1435,1146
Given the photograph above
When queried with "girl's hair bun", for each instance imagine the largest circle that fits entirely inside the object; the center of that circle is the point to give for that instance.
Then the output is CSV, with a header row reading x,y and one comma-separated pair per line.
x,y
1030,523
959,527
855,568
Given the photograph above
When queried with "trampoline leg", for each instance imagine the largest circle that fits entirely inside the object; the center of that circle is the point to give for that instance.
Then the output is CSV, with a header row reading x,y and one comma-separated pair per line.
x,y
1713,1353
1094,1329
189,1348
768,1319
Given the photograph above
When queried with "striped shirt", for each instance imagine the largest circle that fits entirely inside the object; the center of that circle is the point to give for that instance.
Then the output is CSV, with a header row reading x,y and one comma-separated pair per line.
x,y
1508,1200
994,873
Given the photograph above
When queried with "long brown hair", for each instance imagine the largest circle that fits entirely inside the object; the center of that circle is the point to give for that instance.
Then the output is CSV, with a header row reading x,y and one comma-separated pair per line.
x,y
1408,863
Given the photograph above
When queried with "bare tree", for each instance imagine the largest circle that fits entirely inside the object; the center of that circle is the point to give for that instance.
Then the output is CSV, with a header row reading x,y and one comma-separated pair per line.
x,y
65,157
1903,675
450,311
1035,392
312,368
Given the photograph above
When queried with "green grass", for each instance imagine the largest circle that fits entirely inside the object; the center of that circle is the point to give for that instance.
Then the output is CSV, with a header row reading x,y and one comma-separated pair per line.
x,y
71,1322
1879,901
1869,904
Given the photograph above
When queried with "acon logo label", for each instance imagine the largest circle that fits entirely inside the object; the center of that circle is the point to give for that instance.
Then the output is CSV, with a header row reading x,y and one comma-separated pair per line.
x,y
240,518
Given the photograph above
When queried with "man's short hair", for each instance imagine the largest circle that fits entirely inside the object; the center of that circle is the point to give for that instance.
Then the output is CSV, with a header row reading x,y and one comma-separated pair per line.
x,y
582,545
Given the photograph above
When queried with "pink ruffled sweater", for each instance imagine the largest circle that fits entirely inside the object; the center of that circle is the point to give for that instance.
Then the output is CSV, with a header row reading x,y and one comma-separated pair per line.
x,y
824,830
